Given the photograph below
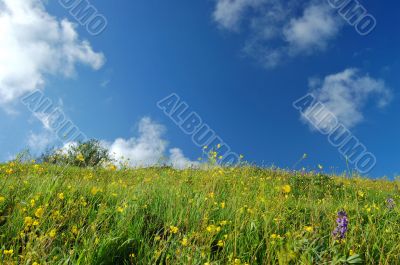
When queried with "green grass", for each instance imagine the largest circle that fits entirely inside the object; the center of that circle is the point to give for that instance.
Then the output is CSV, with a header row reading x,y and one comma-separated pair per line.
x,y
54,215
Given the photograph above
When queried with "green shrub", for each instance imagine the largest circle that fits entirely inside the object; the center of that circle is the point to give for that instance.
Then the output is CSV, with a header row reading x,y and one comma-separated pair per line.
x,y
87,154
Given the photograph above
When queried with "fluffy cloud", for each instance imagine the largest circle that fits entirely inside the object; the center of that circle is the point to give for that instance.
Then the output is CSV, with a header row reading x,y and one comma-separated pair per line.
x,y
148,149
312,31
346,94
34,44
279,29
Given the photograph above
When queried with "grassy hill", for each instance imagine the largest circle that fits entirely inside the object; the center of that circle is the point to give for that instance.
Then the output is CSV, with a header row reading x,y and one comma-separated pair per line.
x,y
56,215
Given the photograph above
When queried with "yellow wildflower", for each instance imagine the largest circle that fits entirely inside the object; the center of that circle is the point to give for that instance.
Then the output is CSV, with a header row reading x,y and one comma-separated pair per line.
x,y
53,233
174,229
39,212
184,242
28,221
74,230
61,196
2,199
308,229
112,167
95,190
286,189
220,243
8,252
80,157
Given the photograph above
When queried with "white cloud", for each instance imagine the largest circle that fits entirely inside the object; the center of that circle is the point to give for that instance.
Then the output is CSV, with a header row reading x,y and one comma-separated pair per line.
x,y
178,160
313,30
347,93
148,148
34,44
229,13
279,29
40,142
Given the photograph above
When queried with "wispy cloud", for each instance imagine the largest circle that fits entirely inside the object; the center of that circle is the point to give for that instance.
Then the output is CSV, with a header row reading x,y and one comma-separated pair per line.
x,y
34,44
347,93
279,30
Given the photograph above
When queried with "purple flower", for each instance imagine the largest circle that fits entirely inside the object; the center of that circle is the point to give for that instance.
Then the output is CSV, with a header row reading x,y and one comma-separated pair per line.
x,y
342,225
390,203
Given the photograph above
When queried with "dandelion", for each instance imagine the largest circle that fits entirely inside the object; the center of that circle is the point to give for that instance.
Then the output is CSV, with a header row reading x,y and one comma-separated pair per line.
x,y
220,243
2,199
360,194
222,205
390,203
342,225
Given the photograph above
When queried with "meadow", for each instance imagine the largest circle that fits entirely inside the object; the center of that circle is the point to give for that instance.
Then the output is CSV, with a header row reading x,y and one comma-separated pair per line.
x,y
243,215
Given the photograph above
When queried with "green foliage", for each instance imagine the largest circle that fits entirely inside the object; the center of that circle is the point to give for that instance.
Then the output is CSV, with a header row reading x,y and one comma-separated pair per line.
x,y
244,215
86,154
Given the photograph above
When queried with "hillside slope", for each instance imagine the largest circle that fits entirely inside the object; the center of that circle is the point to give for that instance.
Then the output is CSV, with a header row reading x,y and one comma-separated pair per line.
x,y
53,215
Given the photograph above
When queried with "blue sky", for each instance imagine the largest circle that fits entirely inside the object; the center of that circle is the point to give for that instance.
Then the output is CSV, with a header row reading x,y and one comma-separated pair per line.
x,y
239,64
